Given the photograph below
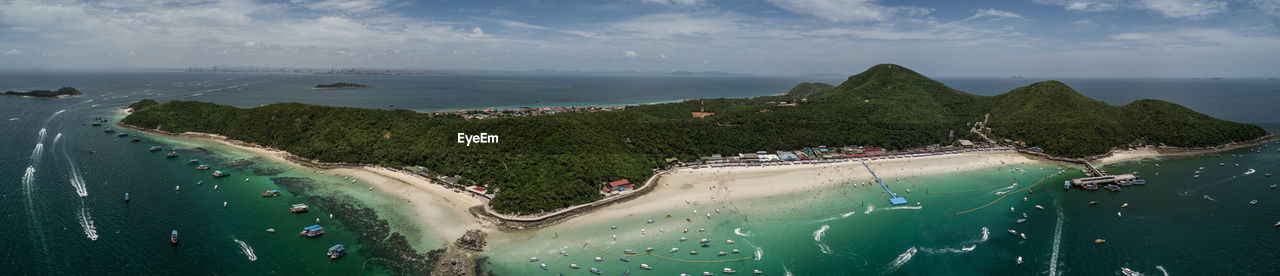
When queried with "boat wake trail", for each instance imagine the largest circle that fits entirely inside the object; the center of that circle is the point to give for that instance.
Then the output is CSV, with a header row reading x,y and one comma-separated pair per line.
x,y
55,114
36,153
86,223
898,262
965,247
1161,268
77,181
248,251
850,213
738,231
1057,241
869,209
904,208
27,179
56,138
760,253
817,237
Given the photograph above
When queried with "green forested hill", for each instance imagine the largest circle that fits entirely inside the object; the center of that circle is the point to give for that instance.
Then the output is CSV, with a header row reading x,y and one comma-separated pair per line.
x,y
547,162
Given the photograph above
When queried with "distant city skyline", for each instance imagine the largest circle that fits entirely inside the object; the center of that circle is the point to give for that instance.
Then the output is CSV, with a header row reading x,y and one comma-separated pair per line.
x,y
1033,38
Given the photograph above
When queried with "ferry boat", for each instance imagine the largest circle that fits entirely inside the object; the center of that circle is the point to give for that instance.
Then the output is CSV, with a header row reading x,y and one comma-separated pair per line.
x,y
271,193
219,173
337,251
154,148
299,208
193,162
171,154
134,140
173,237
312,231
202,167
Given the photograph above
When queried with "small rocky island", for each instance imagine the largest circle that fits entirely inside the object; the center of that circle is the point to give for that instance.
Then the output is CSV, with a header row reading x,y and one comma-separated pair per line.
x,y
341,85
60,93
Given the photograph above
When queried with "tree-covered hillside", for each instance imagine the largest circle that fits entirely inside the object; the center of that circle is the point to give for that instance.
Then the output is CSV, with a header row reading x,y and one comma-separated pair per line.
x,y
543,163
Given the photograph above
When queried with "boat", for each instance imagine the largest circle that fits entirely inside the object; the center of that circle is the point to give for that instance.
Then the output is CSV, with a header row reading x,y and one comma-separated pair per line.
x,y
1221,164
704,241
1113,187
220,174
1125,205
154,148
246,179
562,253
1273,186
1267,175
1140,181
1250,171
134,140
533,259
312,231
735,251
645,266
171,154
193,162
706,245
109,130
173,237
271,193
1021,220
1039,207
1024,199
912,250
1099,241
175,188
693,252
224,204
594,270
336,251
722,253
1023,235
728,271
729,242
705,273
1129,272
299,208
1206,197
683,239
92,151
126,197
215,186
1011,209
1253,202
1118,215
1019,260
95,124
573,266
648,249
624,259
598,259
629,251
122,134
1013,232
271,230
650,221
1090,186
1024,215
674,249
202,167
1093,202
544,266
756,271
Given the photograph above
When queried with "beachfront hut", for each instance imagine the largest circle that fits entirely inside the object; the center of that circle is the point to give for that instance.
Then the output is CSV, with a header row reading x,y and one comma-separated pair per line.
x,y
620,185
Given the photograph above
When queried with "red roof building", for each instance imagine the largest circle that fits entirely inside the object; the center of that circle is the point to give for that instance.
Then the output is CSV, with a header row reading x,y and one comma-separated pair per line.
x,y
624,184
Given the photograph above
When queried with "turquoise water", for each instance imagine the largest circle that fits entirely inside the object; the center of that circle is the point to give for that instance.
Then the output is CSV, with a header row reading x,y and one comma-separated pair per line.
x,y
1167,227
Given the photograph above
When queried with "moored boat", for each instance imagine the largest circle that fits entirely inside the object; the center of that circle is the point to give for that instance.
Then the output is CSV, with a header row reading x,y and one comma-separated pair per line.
x,y
134,140
126,197
728,271
299,208
154,148
574,266
544,266
337,251
1019,260
735,251
193,162
271,193
629,251
219,173
1253,202
757,271
173,237
625,259
202,167
674,249
1021,220
645,266
1013,232
1039,207
171,154
312,231
1099,241
722,253
1023,235
594,270
1125,205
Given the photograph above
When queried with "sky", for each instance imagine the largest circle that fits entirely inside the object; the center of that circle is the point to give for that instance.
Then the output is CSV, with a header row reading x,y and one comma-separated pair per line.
x,y
1033,38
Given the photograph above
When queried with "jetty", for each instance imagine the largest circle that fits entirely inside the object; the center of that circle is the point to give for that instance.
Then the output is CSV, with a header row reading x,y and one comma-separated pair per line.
x,y
1099,177
893,198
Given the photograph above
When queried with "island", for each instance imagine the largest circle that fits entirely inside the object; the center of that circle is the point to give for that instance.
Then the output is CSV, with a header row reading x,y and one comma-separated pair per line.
x,y
547,163
60,93
341,85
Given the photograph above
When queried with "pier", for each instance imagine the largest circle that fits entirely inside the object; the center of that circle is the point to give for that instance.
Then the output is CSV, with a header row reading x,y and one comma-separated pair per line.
x,y
893,198
1099,177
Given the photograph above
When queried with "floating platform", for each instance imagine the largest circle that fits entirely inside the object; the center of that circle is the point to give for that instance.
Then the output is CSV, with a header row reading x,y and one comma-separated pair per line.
x,y
898,200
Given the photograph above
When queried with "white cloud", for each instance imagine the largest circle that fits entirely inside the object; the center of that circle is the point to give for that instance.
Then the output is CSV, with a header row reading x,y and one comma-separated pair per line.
x,y
1185,8
629,53
994,13
342,5
1132,36
675,2
13,52
1268,6
250,44
660,26
1190,9
847,10
477,32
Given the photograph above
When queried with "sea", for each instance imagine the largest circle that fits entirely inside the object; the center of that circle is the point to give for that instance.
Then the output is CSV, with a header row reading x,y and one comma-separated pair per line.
x,y
63,210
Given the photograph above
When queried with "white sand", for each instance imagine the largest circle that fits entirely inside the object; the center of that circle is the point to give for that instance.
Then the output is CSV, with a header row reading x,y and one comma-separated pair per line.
x,y
1127,155
737,183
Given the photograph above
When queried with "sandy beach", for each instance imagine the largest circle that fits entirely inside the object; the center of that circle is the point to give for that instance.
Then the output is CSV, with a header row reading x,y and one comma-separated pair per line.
x,y
737,183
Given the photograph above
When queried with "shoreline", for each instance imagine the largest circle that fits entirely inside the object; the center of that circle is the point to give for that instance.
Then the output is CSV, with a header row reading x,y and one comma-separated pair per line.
x,y
1118,156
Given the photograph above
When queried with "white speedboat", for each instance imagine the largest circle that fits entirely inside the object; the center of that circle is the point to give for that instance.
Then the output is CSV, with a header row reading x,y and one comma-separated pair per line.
x,y
645,266
674,249
599,259
1012,232
1023,235
1039,207
757,271
573,266
1019,260
729,271
533,259
1118,215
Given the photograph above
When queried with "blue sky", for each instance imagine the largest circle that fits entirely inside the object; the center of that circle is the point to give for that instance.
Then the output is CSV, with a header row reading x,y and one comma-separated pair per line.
x,y
1050,38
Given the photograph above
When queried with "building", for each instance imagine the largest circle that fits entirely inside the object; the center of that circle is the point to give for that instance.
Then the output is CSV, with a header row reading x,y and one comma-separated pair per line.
x,y
965,143
620,185
702,114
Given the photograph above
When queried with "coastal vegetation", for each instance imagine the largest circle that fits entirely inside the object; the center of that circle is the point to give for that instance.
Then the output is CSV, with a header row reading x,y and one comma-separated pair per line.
x,y
60,93
341,85
548,162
